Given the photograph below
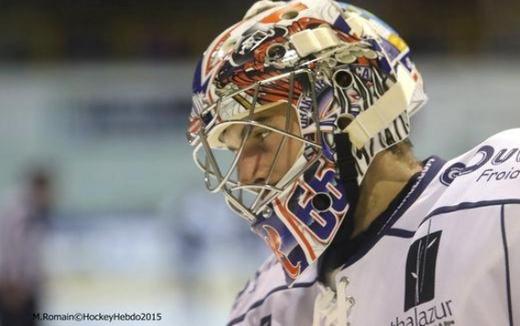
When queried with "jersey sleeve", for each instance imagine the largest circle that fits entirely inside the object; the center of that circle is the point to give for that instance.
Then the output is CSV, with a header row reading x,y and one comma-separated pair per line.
x,y
267,298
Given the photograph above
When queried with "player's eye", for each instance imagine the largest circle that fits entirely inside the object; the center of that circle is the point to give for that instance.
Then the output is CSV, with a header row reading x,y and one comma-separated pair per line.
x,y
262,134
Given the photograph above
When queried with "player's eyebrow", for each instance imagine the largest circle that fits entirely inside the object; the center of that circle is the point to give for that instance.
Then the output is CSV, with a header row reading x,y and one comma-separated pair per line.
x,y
262,120
243,132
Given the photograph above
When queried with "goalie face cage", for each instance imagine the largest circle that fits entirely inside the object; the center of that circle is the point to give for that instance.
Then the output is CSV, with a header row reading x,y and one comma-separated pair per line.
x,y
242,107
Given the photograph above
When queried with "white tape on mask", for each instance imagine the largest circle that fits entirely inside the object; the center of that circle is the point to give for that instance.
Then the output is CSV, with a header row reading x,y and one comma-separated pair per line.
x,y
385,110
314,40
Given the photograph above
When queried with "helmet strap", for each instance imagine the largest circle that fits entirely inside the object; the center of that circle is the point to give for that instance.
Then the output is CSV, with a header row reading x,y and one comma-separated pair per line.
x,y
346,164
333,256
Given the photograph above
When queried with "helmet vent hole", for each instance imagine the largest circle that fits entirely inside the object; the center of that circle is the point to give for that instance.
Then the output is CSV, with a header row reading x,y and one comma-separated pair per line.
x,y
321,201
343,78
276,51
343,121
290,15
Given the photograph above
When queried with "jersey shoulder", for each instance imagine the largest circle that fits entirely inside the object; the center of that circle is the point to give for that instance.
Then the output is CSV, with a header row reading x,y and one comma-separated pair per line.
x,y
268,282
490,171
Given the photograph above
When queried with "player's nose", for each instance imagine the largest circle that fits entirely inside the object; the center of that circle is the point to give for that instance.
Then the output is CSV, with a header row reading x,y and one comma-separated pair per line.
x,y
252,167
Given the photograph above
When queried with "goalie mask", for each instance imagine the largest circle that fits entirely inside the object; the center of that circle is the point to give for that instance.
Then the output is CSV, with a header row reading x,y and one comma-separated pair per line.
x,y
290,106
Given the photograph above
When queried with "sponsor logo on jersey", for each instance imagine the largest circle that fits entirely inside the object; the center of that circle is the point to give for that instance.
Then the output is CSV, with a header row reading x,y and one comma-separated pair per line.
x,y
484,155
497,175
421,264
420,270
440,314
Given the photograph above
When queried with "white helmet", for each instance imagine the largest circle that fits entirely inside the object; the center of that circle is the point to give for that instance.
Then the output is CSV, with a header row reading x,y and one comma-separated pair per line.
x,y
337,73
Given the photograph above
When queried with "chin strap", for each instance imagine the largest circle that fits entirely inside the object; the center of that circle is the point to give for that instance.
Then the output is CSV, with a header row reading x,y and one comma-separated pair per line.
x,y
346,164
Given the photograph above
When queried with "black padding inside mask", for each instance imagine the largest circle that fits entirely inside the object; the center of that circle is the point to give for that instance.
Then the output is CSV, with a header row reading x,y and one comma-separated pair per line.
x,y
347,168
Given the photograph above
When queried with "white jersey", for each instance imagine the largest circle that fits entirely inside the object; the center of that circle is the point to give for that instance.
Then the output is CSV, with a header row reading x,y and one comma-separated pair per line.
x,y
447,253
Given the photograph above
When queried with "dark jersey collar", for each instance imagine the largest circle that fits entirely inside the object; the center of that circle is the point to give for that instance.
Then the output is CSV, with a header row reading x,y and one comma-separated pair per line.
x,y
347,252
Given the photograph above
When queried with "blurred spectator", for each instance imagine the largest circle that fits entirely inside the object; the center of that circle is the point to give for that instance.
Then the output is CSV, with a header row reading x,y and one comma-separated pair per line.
x,y
23,222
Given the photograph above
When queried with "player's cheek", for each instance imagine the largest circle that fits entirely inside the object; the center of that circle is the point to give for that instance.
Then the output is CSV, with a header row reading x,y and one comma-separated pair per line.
x,y
286,156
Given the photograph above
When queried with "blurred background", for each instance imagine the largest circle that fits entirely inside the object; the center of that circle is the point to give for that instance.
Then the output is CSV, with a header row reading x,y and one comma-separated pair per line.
x,y
102,209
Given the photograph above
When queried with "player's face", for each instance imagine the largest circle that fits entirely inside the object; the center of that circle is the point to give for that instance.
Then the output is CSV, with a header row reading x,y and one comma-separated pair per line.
x,y
267,155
